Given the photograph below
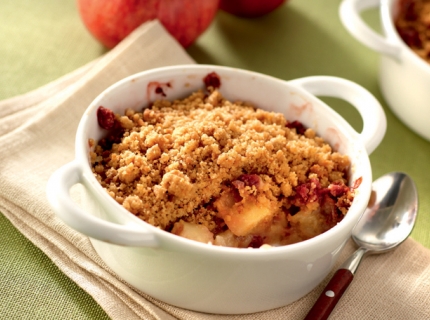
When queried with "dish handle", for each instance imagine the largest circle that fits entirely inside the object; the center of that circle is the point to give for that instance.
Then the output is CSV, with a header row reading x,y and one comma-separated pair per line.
x,y
371,111
58,192
349,12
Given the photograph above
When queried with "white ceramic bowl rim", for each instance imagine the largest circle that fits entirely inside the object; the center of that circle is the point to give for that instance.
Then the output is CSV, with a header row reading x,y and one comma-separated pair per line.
x,y
164,237
389,43
389,9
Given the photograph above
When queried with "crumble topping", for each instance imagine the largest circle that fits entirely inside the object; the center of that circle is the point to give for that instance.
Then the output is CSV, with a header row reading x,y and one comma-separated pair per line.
x,y
413,25
222,172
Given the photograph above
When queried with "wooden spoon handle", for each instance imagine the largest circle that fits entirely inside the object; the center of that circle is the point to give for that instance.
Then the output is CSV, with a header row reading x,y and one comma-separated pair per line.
x,y
330,295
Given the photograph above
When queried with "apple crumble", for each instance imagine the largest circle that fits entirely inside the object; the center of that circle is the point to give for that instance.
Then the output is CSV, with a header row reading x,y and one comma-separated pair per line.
x,y
222,172
413,25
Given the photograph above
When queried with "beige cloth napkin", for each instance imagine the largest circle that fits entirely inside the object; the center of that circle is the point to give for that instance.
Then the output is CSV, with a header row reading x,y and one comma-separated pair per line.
x,y
37,136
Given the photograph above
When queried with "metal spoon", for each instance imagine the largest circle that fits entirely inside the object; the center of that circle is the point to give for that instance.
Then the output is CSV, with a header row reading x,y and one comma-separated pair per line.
x,y
385,224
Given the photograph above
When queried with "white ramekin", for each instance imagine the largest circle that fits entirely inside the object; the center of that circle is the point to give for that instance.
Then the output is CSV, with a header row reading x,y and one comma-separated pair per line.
x,y
404,77
199,276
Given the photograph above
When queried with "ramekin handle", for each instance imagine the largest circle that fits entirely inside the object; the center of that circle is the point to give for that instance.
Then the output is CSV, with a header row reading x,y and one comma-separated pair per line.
x,y
349,12
371,111
58,192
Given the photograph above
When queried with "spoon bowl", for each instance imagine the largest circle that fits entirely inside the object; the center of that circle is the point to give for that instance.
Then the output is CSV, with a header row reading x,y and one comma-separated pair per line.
x,y
388,221
391,215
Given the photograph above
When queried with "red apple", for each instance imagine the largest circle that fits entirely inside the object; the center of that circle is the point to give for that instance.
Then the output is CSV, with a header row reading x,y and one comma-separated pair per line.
x,y
110,21
250,8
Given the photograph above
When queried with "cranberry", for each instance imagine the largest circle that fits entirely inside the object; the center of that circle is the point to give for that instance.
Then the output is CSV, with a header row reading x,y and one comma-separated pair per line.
x,y
105,118
245,180
159,90
410,36
236,196
303,191
212,80
300,128
115,135
337,190
250,180
238,184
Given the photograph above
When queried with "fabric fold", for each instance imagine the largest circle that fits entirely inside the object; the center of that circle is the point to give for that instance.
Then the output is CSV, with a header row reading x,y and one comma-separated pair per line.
x,y
34,97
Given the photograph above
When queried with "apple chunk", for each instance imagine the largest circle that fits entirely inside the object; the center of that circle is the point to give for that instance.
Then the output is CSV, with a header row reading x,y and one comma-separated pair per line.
x,y
196,232
252,214
228,239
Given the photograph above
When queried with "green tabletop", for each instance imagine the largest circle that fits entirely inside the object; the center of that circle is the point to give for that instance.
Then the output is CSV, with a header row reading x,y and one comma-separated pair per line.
x,y
45,39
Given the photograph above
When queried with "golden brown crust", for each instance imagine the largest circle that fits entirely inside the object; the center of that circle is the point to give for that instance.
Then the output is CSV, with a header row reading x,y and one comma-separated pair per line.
x,y
177,158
